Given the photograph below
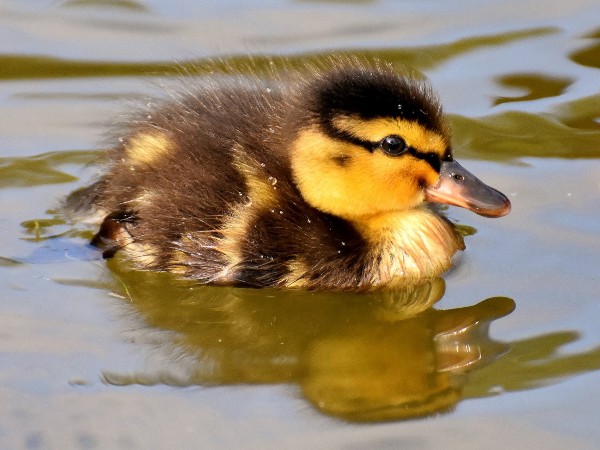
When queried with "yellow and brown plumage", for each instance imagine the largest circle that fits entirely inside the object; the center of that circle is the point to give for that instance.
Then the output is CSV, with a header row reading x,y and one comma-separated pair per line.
x,y
316,181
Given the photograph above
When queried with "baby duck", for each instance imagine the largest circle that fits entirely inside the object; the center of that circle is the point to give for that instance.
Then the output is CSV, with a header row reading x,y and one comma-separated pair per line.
x,y
315,181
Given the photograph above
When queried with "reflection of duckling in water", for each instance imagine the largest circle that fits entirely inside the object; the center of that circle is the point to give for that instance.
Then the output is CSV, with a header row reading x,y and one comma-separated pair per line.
x,y
316,181
360,358
406,369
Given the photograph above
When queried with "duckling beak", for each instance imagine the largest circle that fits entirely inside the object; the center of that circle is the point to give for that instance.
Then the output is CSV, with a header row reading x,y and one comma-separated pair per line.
x,y
459,187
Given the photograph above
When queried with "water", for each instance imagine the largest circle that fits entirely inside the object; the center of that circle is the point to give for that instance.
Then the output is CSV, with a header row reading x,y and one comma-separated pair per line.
x,y
94,356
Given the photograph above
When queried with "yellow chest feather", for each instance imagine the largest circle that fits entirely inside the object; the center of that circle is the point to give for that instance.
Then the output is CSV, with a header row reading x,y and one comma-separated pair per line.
x,y
408,246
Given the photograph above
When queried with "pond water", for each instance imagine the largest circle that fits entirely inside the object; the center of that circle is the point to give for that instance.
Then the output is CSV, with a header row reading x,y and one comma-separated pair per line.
x,y
95,356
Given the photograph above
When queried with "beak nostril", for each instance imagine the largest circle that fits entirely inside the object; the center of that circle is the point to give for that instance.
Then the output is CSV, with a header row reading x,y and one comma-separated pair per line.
x,y
458,176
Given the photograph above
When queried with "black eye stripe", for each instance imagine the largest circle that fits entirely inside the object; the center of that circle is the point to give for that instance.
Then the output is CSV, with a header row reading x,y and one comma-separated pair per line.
x,y
433,159
342,135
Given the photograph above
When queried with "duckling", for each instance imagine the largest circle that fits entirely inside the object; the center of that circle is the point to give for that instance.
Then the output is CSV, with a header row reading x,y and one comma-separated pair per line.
x,y
317,180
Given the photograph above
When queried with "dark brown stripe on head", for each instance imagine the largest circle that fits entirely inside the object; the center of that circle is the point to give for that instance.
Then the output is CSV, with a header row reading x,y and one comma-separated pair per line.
x,y
376,91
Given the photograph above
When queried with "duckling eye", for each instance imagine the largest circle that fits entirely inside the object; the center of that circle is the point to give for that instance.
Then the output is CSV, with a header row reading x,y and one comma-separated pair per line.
x,y
393,145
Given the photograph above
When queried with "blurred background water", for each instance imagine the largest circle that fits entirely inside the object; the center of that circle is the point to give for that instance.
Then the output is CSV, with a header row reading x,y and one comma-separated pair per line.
x,y
93,357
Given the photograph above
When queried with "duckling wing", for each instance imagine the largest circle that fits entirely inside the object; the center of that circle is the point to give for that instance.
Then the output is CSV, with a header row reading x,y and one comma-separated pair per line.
x,y
181,183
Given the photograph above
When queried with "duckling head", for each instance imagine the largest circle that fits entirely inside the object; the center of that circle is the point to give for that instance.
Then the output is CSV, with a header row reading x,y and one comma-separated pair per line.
x,y
372,141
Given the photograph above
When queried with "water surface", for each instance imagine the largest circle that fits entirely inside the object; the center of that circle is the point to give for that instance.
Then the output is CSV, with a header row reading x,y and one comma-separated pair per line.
x,y
94,356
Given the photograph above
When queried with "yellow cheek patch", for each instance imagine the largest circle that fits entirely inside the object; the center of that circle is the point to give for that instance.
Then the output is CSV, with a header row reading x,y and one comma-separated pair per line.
x,y
374,130
367,183
147,147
